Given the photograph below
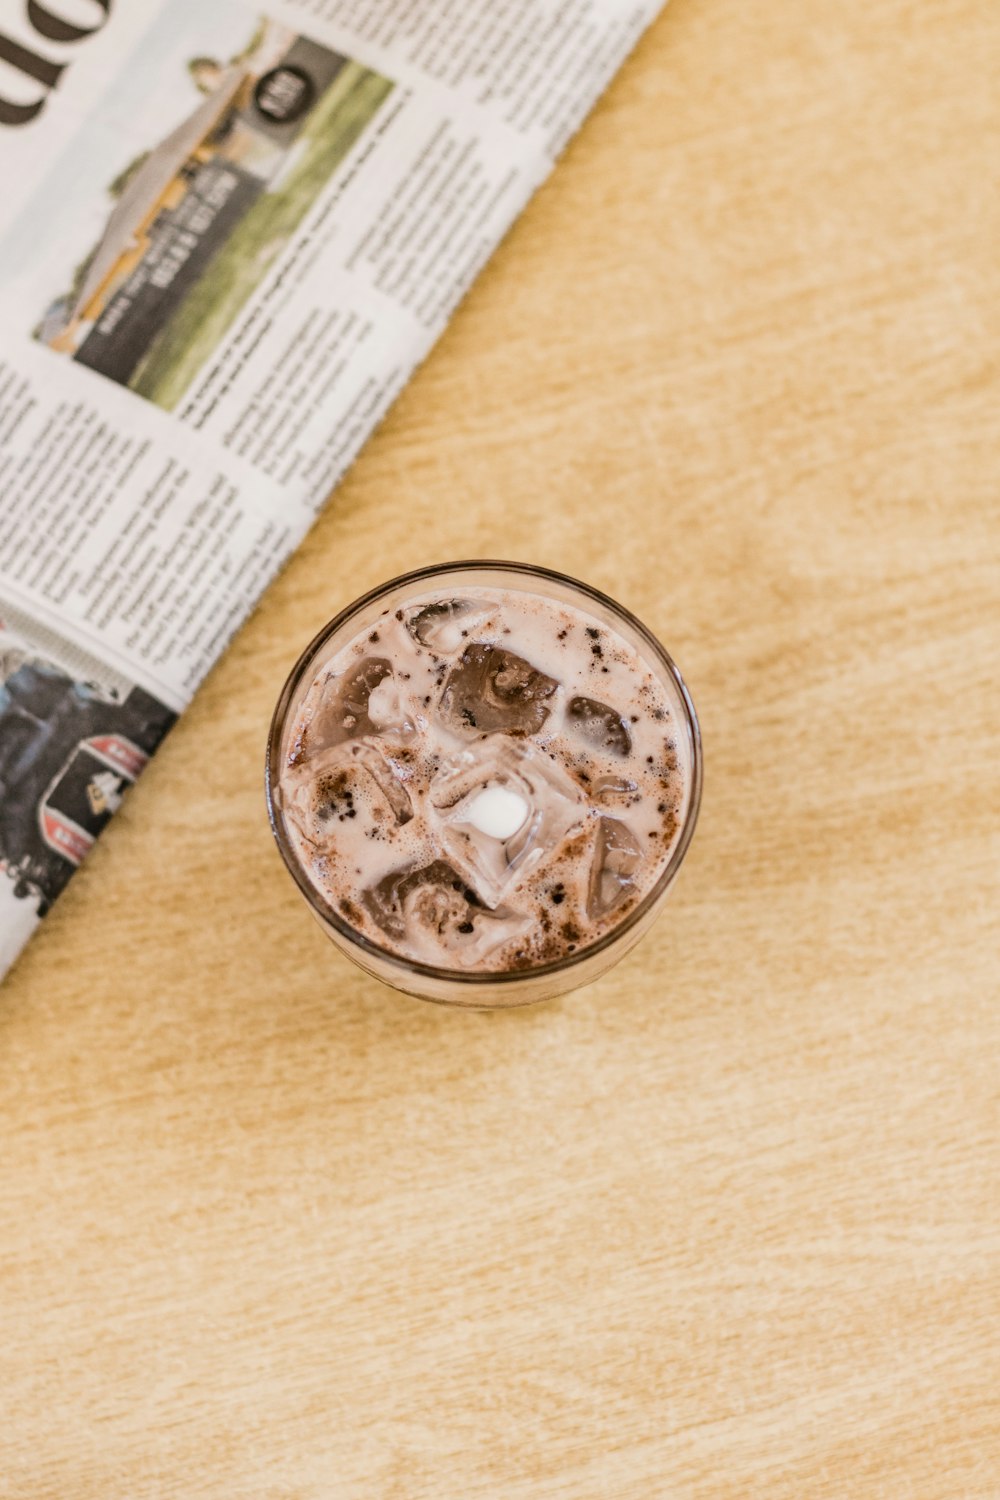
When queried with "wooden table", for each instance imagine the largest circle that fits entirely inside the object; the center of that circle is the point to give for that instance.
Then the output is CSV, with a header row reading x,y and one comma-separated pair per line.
x,y
726,1223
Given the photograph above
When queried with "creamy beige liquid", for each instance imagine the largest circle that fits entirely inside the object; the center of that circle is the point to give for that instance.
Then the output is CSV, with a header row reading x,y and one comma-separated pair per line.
x,y
486,782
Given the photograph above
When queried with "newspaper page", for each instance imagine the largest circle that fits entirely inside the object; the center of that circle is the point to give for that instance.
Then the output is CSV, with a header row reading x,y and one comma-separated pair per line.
x,y
228,234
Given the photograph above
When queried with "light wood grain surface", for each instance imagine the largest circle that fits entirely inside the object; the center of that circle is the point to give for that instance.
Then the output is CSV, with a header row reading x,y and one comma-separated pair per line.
x,y
726,1223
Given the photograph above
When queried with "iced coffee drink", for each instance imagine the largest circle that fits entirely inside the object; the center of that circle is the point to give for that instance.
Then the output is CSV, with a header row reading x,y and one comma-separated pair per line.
x,y
483,777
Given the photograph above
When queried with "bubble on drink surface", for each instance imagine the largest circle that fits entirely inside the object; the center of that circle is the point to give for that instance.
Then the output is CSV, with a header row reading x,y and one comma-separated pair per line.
x,y
446,623
553,805
599,724
617,857
431,910
341,710
491,689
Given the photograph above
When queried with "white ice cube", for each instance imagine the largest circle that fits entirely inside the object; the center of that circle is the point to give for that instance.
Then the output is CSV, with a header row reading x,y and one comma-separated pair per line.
x,y
502,807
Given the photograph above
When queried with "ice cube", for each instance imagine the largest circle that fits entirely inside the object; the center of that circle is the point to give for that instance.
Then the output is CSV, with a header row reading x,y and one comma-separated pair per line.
x,y
447,900
495,862
605,788
342,710
617,856
491,689
313,801
432,912
599,724
444,624
345,782
385,779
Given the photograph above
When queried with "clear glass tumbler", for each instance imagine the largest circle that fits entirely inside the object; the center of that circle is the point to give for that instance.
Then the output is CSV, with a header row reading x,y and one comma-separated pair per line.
x,y
453,986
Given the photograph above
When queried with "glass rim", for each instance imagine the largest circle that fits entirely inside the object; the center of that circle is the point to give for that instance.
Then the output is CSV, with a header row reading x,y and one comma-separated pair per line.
x,y
434,972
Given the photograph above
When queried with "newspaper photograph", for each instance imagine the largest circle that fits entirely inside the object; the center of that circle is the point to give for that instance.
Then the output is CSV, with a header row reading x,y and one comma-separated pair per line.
x,y
74,736
229,234
196,218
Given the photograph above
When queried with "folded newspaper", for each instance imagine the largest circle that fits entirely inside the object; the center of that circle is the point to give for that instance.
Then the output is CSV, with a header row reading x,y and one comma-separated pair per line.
x,y
226,239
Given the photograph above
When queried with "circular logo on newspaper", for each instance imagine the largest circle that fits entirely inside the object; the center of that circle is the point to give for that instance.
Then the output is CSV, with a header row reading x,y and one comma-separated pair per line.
x,y
284,94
